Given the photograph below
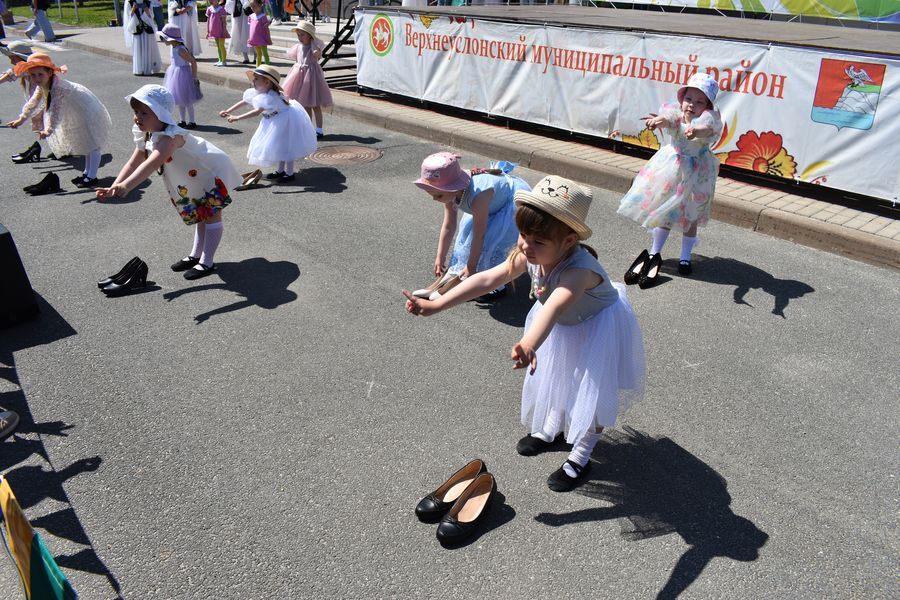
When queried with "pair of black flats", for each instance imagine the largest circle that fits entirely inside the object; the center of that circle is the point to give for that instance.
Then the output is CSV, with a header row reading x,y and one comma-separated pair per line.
x,y
133,276
459,504
31,154
644,271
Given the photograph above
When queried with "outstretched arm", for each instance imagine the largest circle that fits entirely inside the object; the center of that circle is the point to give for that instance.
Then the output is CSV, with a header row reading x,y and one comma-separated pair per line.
x,y
246,115
141,170
228,111
448,229
480,216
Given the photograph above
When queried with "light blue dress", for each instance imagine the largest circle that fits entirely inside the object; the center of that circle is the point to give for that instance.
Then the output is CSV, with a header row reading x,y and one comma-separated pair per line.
x,y
501,233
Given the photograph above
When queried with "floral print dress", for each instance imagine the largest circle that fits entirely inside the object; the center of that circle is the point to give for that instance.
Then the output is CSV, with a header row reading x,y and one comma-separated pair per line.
x,y
676,186
198,176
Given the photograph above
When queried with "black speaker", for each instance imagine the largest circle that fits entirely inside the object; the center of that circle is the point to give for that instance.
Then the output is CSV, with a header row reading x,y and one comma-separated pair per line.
x,y
17,302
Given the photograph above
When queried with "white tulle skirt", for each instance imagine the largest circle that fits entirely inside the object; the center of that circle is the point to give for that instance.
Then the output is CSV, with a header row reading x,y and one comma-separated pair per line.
x,y
287,136
587,373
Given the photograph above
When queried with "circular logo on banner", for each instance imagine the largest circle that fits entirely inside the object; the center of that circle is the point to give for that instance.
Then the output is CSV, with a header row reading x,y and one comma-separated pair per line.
x,y
381,35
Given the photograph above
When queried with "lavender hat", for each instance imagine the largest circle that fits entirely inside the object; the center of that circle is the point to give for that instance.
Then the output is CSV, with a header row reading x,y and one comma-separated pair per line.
x,y
171,33
441,173
704,83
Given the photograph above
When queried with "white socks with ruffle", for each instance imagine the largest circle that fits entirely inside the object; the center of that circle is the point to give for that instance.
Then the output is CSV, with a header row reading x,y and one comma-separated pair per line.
x,y
687,246
659,236
581,452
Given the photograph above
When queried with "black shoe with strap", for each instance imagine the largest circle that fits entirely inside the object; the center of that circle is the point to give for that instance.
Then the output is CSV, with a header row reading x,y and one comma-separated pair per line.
x,y
199,270
684,267
560,481
532,446
185,263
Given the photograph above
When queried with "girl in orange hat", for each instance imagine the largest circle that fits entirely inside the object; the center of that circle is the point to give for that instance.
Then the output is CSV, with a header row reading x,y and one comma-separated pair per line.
x,y
75,121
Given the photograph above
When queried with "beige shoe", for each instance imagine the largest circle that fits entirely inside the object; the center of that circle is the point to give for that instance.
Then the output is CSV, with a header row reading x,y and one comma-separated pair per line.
x,y
424,293
446,287
250,179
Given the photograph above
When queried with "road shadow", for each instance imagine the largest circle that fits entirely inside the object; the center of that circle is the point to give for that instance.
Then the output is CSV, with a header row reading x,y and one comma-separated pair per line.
x,y
260,282
217,129
658,488
33,483
512,308
745,277
499,513
326,180
345,137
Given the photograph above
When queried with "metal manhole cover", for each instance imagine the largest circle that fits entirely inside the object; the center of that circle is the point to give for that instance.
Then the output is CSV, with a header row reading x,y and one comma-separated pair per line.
x,y
345,155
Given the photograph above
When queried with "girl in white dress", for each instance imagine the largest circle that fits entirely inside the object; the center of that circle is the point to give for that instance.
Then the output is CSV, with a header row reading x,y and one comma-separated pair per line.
x,y
139,29
582,341
240,27
183,13
197,174
285,133
75,122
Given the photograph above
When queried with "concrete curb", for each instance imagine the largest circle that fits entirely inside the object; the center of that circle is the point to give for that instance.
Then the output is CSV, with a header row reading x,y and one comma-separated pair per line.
x,y
572,160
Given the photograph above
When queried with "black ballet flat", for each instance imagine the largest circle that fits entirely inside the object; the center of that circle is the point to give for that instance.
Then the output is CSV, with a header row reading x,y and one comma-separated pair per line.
x,y
131,264
185,263
48,185
633,274
85,182
684,267
198,271
275,175
532,446
651,272
435,505
468,511
135,280
559,480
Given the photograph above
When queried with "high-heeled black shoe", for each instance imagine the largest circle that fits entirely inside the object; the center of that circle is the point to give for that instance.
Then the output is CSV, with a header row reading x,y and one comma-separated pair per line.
x,y
48,185
32,154
433,506
468,510
131,264
633,274
651,272
137,280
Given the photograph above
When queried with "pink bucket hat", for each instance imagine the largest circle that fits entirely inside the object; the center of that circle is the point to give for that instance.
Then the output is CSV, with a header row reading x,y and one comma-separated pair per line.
x,y
441,173
705,84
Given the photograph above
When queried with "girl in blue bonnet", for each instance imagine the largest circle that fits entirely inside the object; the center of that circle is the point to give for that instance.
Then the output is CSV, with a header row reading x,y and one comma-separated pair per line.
x,y
487,230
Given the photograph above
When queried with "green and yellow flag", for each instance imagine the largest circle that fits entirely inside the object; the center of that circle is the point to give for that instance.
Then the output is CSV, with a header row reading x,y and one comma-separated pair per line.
x,y
42,578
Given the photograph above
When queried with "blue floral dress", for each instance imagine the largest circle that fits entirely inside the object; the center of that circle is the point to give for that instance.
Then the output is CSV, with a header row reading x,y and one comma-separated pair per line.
x,y
501,233
676,187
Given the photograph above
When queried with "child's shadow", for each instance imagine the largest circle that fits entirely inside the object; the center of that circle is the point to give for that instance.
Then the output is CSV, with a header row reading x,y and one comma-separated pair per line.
x,y
344,137
514,306
327,180
656,487
261,282
217,129
728,271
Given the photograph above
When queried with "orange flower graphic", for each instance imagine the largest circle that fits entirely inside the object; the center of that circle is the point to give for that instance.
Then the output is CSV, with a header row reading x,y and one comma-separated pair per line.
x,y
762,153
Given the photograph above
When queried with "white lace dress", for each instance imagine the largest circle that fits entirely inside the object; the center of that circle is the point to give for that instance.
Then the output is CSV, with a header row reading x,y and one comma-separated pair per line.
x,y
285,132
77,120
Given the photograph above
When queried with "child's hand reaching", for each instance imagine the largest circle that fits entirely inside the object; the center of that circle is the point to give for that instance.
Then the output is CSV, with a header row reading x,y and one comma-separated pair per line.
x,y
231,118
44,134
652,121
224,114
523,355
117,190
418,306
15,123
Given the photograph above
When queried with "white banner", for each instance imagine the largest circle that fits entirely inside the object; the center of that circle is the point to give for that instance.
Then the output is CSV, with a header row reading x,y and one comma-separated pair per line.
x,y
810,115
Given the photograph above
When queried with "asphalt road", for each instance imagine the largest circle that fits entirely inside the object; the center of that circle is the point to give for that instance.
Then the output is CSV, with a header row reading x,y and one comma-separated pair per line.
x,y
266,432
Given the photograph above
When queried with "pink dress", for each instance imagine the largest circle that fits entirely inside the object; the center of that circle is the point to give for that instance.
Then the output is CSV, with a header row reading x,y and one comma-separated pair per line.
x,y
305,83
259,30
215,23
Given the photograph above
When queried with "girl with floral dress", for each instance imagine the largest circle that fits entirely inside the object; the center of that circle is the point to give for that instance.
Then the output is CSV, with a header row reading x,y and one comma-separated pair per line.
x,y
675,188
305,82
258,37
285,133
216,29
197,174
75,122
140,35
582,341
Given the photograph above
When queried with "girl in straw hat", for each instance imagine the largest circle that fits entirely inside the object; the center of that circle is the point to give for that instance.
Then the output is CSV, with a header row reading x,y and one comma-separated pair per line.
x,y
197,174
675,188
75,122
181,75
582,341
305,82
285,133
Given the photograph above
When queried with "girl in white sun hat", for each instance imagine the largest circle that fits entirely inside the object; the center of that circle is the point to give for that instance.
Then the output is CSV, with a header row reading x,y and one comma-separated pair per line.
x,y
582,341
197,174
675,188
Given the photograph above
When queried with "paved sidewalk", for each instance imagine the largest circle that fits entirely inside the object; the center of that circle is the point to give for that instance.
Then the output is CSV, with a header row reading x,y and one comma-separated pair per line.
x,y
850,232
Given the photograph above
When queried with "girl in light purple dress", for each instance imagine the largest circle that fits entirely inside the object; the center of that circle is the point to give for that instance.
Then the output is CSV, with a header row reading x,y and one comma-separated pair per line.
x,y
181,76
306,81
216,29
259,38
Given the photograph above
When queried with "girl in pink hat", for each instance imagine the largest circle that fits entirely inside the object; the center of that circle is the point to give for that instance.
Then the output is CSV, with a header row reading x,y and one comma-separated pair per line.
x,y
675,188
487,230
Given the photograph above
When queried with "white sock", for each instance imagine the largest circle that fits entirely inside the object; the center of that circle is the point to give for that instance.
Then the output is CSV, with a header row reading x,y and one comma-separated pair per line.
x,y
280,168
581,452
550,429
659,236
92,163
687,246
190,112
213,237
199,237
288,167
181,112
320,130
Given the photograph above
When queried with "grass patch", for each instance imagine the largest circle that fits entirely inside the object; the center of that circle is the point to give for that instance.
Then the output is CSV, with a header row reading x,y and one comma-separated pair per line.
x,y
94,13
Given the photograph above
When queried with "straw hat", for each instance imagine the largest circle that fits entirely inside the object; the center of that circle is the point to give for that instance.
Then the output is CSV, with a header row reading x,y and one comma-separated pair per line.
x,y
158,99
562,199
171,33
18,48
441,173
37,60
267,71
703,82
307,27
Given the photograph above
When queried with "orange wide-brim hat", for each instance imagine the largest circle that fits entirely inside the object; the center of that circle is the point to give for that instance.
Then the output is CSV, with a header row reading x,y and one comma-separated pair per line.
x,y
37,60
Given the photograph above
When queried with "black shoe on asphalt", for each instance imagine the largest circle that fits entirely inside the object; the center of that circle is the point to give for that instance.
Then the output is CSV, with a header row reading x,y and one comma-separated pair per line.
x,y
9,420
559,480
684,267
85,182
532,446
285,178
199,271
185,263
275,175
